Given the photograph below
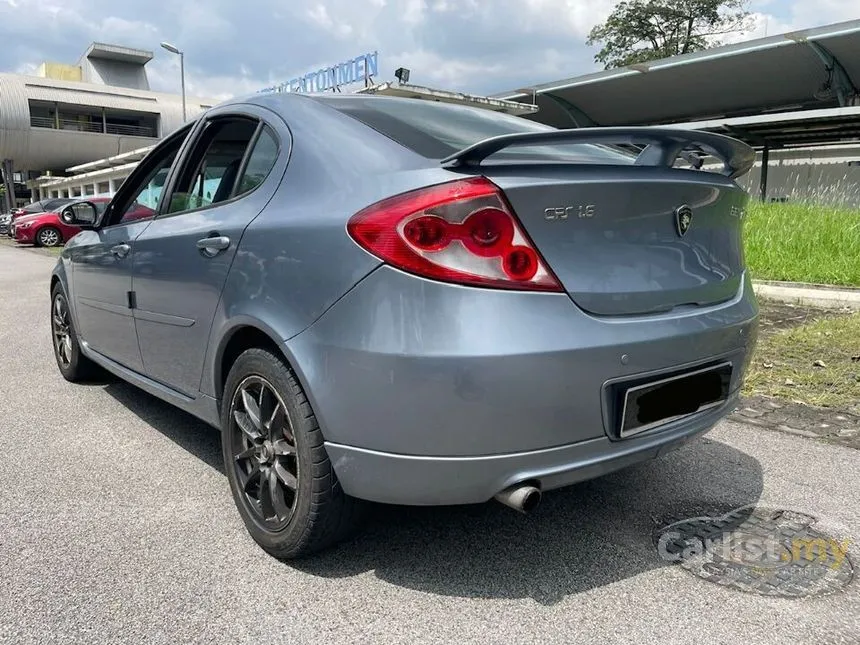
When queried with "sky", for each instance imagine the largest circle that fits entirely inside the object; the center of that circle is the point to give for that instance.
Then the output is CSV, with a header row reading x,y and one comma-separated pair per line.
x,y
235,47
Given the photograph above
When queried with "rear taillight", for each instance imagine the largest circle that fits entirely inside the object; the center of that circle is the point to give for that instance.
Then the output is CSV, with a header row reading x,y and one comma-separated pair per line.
x,y
462,231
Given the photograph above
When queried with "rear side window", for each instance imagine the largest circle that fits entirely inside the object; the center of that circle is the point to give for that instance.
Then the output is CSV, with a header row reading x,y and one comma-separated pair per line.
x,y
210,175
436,130
260,162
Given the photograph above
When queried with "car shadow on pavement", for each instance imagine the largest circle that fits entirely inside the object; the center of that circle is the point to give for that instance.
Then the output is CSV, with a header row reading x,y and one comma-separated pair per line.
x,y
582,537
188,432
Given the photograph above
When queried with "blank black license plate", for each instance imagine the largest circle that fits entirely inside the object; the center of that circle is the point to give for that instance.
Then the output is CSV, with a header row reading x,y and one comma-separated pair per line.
x,y
659,402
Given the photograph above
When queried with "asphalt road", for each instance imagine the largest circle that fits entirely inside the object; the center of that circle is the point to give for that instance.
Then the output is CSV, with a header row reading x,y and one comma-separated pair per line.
x,y
117,526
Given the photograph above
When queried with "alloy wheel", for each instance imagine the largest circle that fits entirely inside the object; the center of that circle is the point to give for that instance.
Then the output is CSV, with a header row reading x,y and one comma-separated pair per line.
x,y
264,452
62,331
49,237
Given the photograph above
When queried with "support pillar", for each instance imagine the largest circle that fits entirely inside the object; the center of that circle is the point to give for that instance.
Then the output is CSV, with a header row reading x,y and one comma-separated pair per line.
x,y
765,160
9,185
579,118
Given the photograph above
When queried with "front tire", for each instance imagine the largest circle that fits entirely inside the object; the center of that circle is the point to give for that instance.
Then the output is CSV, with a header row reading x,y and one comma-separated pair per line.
x,y
279,472
73,365
49,236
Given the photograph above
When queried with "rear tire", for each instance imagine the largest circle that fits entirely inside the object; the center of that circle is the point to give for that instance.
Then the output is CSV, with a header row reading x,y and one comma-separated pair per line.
x,y
73,365
279,472
48,236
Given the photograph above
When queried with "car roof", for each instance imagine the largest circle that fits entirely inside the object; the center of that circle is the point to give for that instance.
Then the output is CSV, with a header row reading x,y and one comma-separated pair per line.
x,y
285,98
62,201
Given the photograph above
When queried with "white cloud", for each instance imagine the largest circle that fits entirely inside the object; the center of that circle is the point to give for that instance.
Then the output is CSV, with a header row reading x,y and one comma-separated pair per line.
x,y
27,69
762,24
320,15
814,13
773,17
122,29
233,48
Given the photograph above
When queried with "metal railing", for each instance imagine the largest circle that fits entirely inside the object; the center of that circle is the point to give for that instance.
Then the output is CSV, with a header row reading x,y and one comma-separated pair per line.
x,y
131,130
92,126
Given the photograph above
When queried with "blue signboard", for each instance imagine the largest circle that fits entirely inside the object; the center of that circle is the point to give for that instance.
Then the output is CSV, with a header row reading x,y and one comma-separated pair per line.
x,y
355,70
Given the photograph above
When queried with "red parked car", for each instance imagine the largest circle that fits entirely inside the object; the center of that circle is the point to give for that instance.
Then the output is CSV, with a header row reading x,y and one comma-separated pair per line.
x,y
43,206
49,229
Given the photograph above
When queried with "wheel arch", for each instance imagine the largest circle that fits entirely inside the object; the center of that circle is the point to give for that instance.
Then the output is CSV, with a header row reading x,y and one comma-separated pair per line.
x,y
245,334
59,276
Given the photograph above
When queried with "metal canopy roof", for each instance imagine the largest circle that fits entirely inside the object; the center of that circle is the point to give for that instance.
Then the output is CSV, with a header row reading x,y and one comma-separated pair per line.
x,y
809,69
834,126
111,162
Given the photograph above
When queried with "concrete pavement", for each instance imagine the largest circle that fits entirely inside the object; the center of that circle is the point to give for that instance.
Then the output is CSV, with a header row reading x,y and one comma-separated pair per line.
x,y
117,526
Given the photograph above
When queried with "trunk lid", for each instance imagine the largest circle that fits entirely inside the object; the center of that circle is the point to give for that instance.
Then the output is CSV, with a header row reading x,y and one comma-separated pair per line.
x,y
618,237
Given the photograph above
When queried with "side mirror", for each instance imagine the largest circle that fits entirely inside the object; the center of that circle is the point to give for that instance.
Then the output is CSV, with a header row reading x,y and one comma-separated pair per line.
x,y
80,214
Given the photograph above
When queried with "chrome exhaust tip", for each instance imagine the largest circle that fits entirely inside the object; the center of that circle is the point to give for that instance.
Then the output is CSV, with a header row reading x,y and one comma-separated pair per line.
x,y
520,497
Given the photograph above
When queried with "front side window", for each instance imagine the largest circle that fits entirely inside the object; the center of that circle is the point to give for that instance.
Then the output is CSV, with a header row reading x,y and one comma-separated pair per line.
x,y
145,202
140,201
213,168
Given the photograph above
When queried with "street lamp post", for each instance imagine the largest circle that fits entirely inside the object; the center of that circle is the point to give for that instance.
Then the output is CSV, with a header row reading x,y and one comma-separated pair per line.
x,y
175,50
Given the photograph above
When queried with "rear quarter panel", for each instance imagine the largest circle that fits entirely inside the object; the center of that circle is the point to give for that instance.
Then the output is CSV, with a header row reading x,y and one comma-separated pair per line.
x,y
295,260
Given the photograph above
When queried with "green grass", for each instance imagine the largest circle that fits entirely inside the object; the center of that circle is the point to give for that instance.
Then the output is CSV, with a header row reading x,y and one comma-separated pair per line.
x,y
803,243
817,363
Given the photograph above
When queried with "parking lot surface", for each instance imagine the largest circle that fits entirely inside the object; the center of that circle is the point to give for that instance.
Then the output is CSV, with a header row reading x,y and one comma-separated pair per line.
x,y
117,526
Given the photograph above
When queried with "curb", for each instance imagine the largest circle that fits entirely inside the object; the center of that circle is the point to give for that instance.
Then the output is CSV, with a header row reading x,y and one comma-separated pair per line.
x,y
808,294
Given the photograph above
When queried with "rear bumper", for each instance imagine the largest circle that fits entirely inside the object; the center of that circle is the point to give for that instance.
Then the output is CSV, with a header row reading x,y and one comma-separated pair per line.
x,y
427,481
430,393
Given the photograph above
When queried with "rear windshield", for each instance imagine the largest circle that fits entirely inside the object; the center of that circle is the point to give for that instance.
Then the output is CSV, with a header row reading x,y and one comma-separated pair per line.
x,y
54,204
436,130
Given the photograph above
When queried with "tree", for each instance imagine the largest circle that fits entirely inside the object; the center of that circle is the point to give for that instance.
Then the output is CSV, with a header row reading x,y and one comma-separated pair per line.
x,y
642,30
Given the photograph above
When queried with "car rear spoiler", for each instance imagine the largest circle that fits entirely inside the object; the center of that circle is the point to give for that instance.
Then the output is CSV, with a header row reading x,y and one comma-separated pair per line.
x,y
662,146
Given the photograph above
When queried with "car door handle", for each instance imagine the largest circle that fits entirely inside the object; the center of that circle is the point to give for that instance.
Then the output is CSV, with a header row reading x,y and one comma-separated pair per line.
x,y
120,250
212,246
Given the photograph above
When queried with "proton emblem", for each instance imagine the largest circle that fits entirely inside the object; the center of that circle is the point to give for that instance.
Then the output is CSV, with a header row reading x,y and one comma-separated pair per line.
x,y
683,219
